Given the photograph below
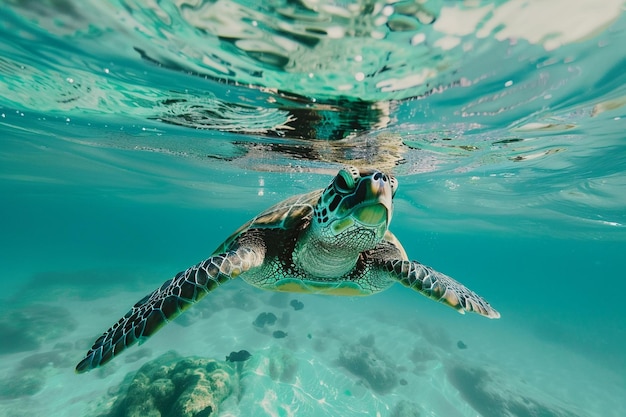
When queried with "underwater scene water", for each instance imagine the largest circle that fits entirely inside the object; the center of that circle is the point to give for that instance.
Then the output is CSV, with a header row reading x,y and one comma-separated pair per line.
x,y
137,135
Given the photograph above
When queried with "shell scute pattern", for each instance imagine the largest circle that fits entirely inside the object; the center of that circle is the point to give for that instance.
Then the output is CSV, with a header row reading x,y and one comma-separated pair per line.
x,y
283,215
291,210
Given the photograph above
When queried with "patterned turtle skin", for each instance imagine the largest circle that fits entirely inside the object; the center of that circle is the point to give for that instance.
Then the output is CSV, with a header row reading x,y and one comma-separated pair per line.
x,y
332,241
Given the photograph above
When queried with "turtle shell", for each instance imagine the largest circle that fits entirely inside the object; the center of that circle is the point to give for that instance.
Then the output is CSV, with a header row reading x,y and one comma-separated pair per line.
x,y
284,215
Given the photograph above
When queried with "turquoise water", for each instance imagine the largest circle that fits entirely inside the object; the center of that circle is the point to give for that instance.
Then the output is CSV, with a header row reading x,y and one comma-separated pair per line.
x,y
135,136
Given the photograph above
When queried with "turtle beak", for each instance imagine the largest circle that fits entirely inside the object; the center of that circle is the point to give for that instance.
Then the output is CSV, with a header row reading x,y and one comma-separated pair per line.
x,y
381,187
379,208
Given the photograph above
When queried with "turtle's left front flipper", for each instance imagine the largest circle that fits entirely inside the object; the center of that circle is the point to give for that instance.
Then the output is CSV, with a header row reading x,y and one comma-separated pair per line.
x,y
439,287
167,302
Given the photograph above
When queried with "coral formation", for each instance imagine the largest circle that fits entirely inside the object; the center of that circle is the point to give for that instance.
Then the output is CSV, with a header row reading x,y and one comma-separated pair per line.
x,y
491,397
370,364
28,328
171,386
282,366
406,408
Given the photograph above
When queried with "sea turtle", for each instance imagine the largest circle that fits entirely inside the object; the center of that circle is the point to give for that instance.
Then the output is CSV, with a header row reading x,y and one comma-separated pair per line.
x,y
331,241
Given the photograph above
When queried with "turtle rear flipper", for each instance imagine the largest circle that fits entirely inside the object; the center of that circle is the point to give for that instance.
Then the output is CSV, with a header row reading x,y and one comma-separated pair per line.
x,y
166,303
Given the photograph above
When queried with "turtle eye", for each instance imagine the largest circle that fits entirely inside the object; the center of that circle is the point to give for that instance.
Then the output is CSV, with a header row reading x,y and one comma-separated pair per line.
x,y
344,182
394,185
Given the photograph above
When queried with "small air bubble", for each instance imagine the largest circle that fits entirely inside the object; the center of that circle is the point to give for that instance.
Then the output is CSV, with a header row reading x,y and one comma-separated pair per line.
x,y
3,115
106,70
418,38
68,120
508,83
69,80
335,32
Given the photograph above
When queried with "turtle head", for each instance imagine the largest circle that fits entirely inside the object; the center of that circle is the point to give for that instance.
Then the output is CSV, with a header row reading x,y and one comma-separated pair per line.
x,y
355,209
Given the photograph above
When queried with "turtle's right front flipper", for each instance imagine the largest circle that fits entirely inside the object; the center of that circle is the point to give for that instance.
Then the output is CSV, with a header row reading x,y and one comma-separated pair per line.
x,y
166,303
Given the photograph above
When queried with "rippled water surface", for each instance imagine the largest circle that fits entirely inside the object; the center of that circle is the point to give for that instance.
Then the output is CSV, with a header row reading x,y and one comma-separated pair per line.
x,y
136,135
